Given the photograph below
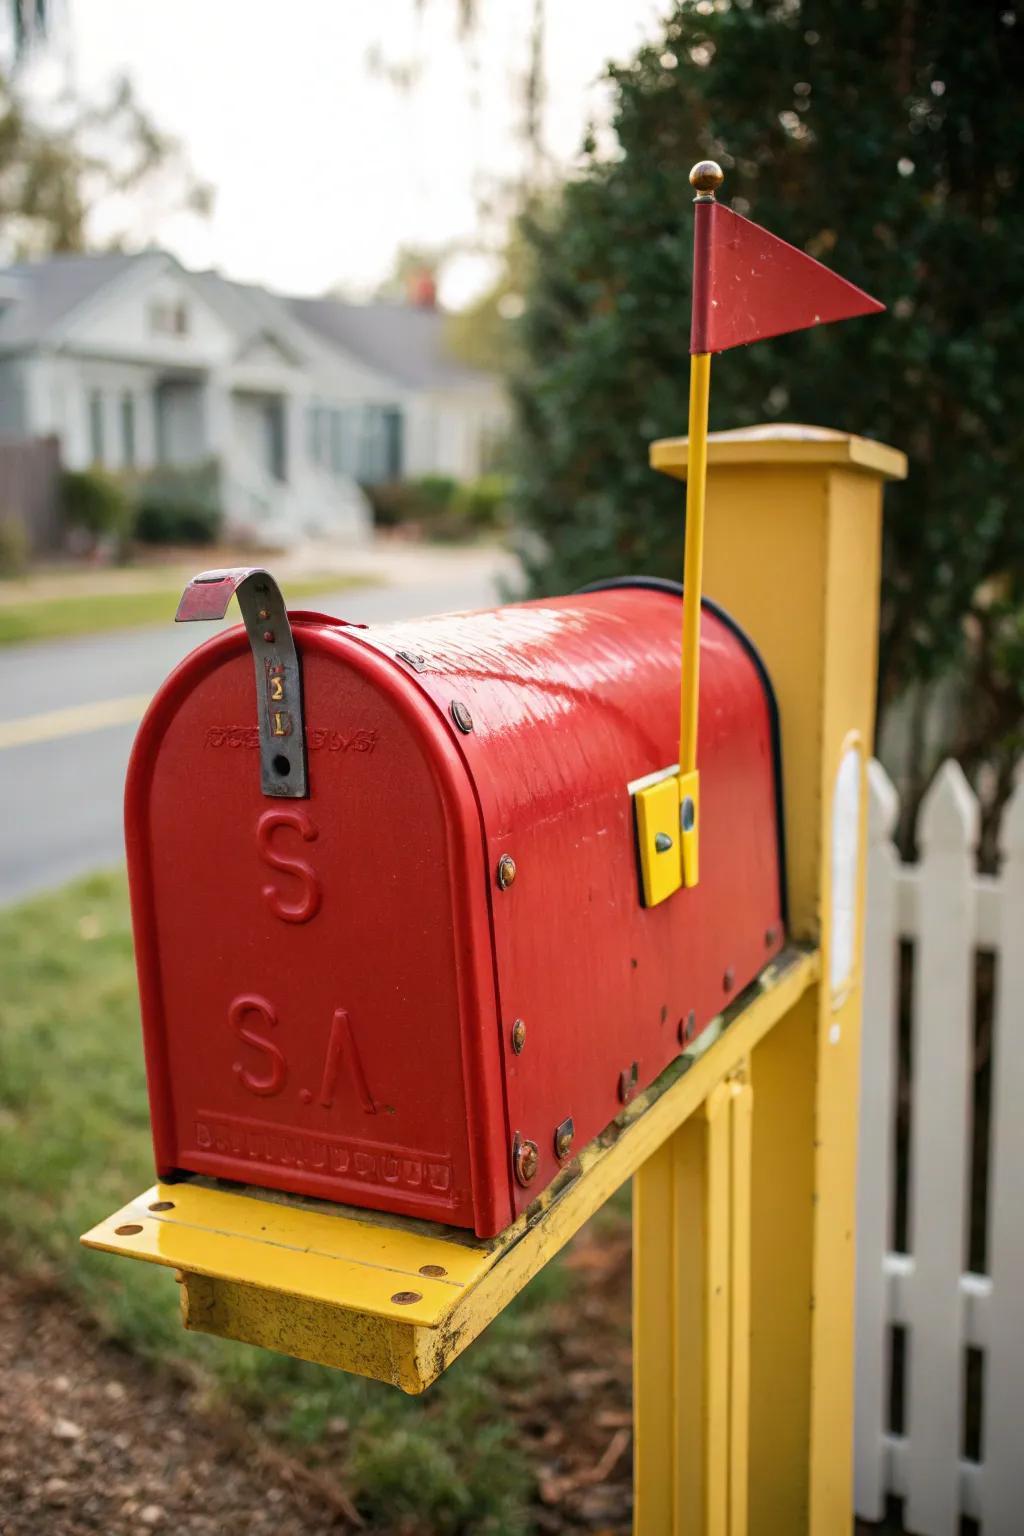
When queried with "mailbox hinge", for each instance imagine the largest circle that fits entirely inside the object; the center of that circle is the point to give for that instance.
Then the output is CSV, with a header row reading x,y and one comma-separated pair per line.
x,y
278,674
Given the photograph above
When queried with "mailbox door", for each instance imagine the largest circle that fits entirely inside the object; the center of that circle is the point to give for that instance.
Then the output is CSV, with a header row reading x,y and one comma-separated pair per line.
x,y
317,974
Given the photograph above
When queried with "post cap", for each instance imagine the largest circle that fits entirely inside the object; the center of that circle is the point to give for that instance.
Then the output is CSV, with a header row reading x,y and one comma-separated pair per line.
x,y
783,443
705,179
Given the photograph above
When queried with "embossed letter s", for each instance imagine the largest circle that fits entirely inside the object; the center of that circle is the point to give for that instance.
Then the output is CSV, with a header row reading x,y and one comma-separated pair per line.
x,y
249,1002
308,904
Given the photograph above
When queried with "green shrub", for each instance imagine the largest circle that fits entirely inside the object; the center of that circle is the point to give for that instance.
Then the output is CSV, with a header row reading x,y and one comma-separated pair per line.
x,y
13,547
483,503
392,502
159,521
95,503
435,492
178,506
439,506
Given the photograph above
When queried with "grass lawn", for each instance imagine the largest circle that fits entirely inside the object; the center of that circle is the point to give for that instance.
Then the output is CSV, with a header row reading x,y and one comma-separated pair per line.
x,y
50,618
74,1144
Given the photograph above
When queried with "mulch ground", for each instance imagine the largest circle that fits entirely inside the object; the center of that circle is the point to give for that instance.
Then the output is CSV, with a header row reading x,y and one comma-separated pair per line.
x,y
94,1440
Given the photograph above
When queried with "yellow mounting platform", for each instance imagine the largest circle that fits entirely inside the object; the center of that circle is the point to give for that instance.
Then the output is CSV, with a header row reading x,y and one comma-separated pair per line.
x,y
396,1299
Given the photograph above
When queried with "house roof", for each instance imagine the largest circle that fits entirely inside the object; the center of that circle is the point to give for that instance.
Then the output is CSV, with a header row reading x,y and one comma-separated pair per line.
x,y
45,292
407,344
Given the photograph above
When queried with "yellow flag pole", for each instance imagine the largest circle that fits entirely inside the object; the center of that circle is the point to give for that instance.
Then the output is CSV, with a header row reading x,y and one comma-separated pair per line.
x,y
693,559
671,806
705,178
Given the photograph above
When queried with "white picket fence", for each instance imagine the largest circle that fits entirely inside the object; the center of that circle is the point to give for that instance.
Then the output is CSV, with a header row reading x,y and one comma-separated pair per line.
x,y
949,913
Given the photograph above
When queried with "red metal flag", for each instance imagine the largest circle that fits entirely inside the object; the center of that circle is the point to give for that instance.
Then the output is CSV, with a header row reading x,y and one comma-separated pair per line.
x,y
748,284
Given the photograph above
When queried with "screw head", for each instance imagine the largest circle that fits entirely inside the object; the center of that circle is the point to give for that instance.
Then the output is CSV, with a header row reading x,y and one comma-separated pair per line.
x,y
687,1027
770,937
564,1134
461,715
406,1298
662,842
518,1036
506,871
728,979
525,1158
687,813
433,1271
628,1081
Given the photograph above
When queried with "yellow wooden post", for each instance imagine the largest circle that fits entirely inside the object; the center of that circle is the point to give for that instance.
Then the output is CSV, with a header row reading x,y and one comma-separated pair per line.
x,y
743,1157
792,550
691,1307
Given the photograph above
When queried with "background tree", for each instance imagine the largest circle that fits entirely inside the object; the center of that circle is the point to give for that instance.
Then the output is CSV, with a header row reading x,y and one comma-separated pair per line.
x,y
61,157
886,139
57,164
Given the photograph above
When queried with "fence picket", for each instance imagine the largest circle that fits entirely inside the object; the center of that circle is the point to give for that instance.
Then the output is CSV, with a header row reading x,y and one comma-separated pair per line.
x,y
942,1052
1003,1441
874,1185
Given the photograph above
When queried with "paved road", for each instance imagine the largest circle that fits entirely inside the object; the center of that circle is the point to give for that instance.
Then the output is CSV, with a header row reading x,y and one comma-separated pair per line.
x,y
71,709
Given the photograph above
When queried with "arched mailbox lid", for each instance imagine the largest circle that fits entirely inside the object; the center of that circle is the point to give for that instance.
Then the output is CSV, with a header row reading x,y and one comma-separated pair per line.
x,y
332,987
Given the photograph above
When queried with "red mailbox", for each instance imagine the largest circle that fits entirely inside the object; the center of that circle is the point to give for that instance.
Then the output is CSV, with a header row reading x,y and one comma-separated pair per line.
x,y
391,942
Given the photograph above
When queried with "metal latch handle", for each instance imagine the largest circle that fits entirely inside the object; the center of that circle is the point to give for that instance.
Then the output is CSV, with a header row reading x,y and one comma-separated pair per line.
x,y
278,674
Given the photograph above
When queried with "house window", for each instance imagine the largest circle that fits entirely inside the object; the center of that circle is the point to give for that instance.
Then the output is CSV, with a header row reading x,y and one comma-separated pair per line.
x,y
96,446
168,318
337,453
128,431
316,421
392,424
273,419
380,444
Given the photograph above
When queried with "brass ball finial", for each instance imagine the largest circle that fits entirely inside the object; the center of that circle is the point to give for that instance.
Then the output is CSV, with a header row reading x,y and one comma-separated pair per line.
x,y
705,179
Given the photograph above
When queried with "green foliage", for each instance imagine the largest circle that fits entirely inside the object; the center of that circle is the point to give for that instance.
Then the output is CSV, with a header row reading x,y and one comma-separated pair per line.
x,y
886,140
435,492
95,503
178,506
440,507
13,547
482,503
59,158
398,502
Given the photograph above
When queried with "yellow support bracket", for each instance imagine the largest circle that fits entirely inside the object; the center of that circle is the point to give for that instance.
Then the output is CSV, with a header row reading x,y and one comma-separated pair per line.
x,y
396,1299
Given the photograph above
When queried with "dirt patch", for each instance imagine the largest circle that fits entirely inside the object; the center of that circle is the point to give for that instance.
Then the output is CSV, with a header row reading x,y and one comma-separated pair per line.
x,y
93,1440
578,1421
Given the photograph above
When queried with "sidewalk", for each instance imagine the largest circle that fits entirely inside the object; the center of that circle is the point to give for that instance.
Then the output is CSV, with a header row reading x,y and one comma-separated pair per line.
x,y
392,561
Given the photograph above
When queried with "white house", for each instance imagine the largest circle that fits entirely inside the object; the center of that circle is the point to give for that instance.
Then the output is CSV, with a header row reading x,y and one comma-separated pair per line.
x,y
134,362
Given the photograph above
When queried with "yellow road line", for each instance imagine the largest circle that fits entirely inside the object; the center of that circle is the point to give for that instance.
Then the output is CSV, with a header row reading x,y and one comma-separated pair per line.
x,y
75,721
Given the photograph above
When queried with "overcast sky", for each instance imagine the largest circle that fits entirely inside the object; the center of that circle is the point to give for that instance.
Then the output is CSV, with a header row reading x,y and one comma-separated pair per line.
x,y
321,168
